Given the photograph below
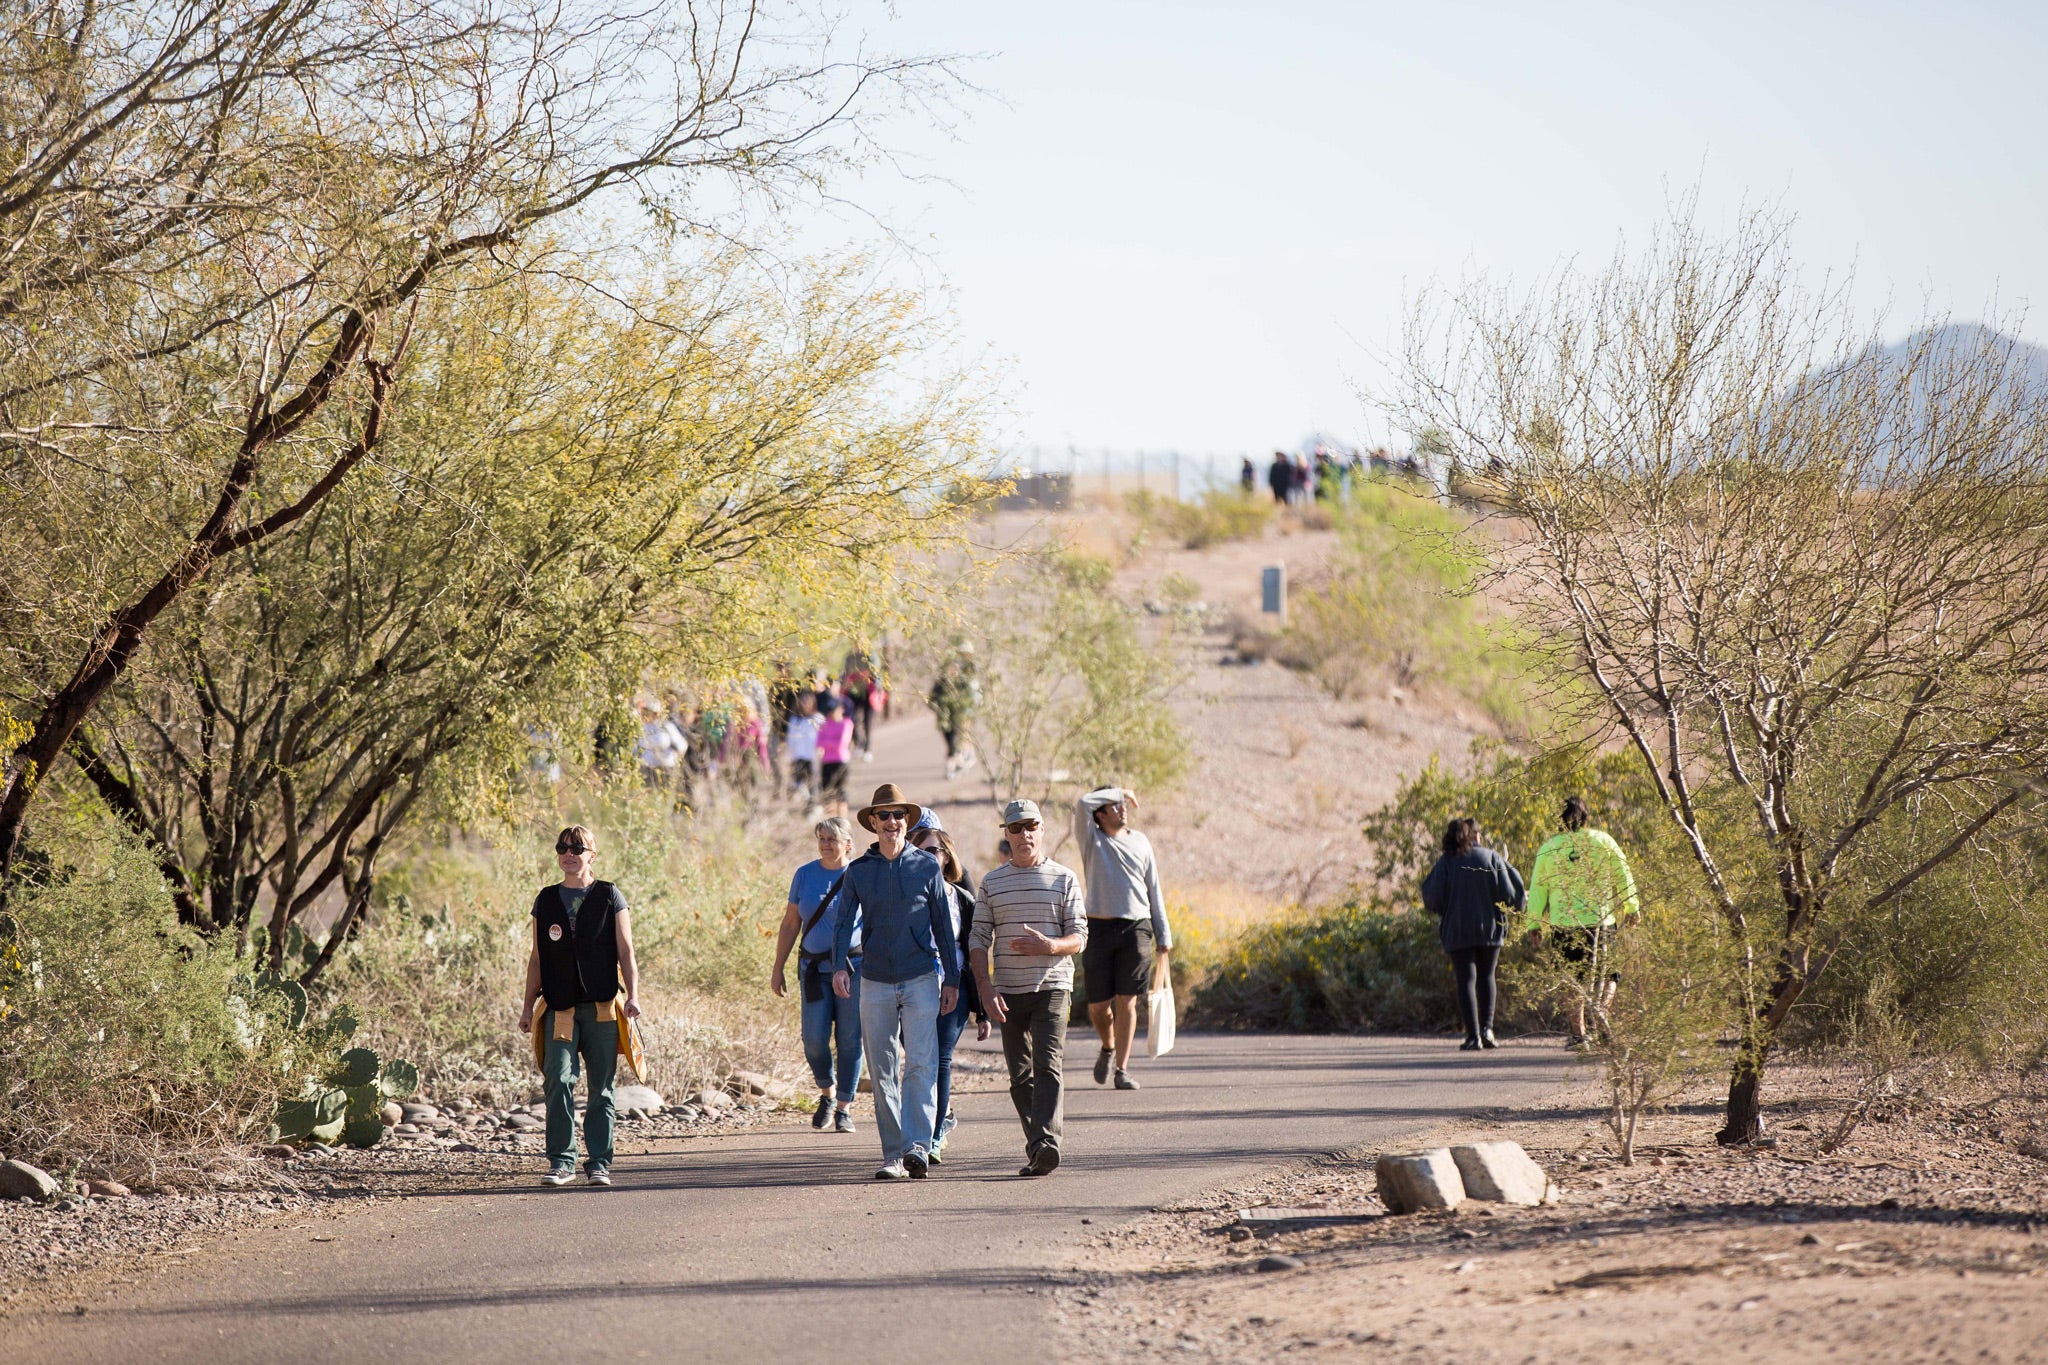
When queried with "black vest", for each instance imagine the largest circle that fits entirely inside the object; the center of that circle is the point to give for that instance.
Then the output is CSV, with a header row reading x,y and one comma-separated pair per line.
x,y
578,966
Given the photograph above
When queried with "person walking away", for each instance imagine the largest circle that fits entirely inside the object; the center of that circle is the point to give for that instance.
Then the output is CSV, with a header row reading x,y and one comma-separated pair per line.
x,y
1126,923
835,748
953,697
893,897
1280,477
1579,888
859,680
931,836
810,925
1028,927
1248,477
1466,891
800,745
582,947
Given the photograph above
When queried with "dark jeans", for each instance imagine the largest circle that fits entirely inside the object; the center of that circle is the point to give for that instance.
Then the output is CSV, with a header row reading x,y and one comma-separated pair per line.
x,y
1474,970
598,1043
1035,1044
950,1028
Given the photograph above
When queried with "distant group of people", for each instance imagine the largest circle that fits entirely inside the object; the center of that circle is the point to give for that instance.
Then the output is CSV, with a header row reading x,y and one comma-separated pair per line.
x,y
1578,893
1323,475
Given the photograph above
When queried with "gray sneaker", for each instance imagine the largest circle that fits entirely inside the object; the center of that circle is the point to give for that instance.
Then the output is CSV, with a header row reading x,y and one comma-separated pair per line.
x,y
1124,1081
893,1171
1102,1061
598,1175
842,1120
559,1175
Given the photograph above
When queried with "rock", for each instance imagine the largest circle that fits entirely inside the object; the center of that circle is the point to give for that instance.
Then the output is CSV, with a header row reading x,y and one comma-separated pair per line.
x,y
418,1113
688,1113
747,1083
405,1130
1500,1172
1413,1181
283,1151
627,1098
523,1123
19,1180
107,1189
390,1114
779,1090
465,1147
1279,1261
712,1101
1240,1234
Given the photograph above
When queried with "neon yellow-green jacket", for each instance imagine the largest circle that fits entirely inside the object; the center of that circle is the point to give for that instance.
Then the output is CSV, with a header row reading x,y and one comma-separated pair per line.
x,y
1581,878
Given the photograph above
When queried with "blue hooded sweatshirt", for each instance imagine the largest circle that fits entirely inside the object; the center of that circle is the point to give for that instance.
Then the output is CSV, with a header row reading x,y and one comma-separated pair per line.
x,y
905,926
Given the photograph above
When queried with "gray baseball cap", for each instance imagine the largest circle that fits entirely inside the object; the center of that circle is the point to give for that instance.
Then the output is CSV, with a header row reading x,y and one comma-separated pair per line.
x,y
1020,810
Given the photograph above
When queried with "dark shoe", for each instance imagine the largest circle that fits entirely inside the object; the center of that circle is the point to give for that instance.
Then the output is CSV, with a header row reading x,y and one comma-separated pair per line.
x,y
598,1175
1045,1160
559,1175
1487,1039
914,1162
821,1117
1469,1045
1102,1061
1124,1081
1578,1042
842,1120
1027,1170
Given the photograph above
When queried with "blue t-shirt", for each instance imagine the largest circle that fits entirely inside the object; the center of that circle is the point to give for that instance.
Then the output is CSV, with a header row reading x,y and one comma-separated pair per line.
x,y
807,888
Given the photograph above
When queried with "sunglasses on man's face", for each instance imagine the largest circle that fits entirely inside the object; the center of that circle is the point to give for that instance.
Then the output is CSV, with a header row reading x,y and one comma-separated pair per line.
x,y
1021,826
894,817
578,849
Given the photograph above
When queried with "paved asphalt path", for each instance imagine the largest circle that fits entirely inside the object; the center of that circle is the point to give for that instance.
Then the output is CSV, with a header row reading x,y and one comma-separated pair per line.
x,y
776,1243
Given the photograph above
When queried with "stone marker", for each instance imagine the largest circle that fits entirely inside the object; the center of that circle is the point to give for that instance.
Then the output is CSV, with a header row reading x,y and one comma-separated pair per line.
x,y
19,1180
1279,1261
1501,1172
628,1098
1413,1181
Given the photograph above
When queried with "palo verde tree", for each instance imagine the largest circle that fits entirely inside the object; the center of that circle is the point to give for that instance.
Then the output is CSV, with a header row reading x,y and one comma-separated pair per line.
x,y
577,494
1803,575
220,221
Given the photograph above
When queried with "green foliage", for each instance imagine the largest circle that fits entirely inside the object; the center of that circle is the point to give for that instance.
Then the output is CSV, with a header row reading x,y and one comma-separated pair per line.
x,y
1218,516
1398,602
1070,685
132,1046
355,1068
1351,968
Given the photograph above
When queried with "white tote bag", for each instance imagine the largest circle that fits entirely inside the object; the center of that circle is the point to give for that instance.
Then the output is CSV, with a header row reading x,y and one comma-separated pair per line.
x,y
1159,1014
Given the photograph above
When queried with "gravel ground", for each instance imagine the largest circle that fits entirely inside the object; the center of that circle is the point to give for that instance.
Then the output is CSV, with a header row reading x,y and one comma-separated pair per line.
x,y
1920,1239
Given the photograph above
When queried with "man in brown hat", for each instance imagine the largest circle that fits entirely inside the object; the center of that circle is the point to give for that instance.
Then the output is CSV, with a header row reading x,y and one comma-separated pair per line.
x,y
909,975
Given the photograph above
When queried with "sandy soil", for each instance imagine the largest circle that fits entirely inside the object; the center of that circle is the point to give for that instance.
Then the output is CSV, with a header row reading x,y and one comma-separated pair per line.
x,y
1920,1240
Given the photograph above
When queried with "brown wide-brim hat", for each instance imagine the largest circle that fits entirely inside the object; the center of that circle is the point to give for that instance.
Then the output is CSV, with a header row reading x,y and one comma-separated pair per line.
x,y
888,796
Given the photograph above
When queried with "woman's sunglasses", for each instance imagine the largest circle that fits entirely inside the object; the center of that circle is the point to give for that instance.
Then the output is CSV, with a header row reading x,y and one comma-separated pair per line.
x,y
578,849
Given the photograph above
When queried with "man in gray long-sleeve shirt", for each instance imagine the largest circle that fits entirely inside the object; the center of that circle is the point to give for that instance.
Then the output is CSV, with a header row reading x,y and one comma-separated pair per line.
x,y
1126,923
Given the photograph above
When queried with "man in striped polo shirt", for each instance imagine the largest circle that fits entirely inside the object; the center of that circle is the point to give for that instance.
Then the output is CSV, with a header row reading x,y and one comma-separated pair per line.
x,y
1029,925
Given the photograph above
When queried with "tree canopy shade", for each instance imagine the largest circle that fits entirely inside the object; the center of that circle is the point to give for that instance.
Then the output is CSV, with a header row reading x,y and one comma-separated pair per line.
x,y
572,495
1805,577
220,221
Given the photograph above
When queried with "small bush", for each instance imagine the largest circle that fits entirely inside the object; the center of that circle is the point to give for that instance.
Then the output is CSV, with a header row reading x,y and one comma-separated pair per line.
x,y
1218,516
1356,967
131,1047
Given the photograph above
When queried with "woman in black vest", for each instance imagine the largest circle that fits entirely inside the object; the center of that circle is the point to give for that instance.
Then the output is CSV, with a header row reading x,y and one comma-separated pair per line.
x,y
582,946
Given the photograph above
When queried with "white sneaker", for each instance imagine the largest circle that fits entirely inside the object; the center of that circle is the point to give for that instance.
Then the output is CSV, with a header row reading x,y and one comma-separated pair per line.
x,y
560,1175
895,1170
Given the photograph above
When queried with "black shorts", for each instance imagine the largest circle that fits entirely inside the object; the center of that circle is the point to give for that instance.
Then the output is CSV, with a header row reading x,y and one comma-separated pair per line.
x,y
1118,958
1582,945
833,776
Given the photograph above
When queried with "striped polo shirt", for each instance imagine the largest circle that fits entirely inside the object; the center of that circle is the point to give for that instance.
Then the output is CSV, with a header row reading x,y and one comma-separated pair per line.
x,y
1046,898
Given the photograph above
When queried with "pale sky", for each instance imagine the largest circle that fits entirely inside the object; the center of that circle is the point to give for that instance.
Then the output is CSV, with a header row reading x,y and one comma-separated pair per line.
x,y
1192,225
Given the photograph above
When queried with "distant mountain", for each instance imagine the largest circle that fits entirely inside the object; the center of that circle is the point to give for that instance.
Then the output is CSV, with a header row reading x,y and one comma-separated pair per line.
x,y
1958,340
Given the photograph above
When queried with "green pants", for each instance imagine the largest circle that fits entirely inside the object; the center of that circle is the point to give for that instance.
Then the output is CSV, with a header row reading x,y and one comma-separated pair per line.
x,y
598,1042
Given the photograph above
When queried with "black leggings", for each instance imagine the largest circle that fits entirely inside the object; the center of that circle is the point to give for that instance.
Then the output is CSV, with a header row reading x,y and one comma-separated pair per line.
x,y
1474,970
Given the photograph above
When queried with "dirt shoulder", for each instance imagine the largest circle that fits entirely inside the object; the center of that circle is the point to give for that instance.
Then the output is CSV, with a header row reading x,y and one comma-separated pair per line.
x,y
1921,1239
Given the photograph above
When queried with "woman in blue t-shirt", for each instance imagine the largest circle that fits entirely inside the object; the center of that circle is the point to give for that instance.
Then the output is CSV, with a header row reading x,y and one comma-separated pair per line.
x,y
826,1017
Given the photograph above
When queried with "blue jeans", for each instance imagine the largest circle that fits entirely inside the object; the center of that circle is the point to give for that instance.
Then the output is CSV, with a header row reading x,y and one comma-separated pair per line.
x,y
824,1019
951,1026
905,1107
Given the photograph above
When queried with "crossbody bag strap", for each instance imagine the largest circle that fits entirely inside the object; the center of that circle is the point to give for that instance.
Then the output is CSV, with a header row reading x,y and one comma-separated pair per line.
x,y
818,914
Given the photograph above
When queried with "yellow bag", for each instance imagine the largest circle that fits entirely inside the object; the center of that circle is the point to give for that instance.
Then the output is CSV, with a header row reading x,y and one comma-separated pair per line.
x,y
631,1049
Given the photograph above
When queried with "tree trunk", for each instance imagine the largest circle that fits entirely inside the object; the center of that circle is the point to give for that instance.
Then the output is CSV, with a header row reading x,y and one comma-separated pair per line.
x,y
1743,1121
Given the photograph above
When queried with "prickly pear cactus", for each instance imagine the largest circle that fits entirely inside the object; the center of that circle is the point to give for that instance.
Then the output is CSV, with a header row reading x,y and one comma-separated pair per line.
x,y
363,1131
357,1066
363,1100
400,1079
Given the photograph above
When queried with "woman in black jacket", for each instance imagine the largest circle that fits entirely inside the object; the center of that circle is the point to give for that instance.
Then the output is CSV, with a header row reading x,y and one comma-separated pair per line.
x,y
1470,891
933,839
